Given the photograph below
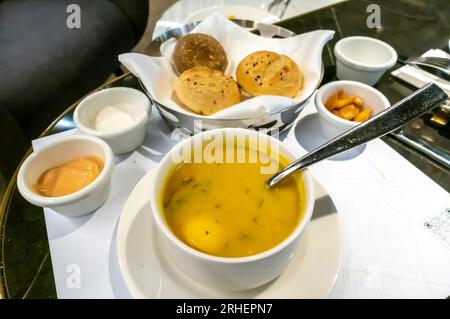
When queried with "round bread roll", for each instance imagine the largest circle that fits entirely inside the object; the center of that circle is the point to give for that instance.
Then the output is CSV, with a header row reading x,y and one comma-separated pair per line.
x,y
206,91
198,49
269,73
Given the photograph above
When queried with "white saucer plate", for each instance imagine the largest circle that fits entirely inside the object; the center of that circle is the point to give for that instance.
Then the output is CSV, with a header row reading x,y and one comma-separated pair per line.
x,y
148,273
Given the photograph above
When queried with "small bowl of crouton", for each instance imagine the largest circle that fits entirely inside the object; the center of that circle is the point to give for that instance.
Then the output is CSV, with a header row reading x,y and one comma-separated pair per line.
x,y
344,104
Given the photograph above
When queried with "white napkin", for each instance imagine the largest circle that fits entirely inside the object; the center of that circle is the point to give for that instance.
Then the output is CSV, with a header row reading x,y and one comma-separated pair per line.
x,y
419,77
159,78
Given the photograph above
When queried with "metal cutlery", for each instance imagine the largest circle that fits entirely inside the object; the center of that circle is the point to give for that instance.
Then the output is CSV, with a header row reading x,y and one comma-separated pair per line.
x,y
395,116
439,64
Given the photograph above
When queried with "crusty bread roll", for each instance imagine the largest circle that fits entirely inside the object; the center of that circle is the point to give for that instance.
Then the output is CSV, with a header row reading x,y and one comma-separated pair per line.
x,y
269,73
206,91
198,49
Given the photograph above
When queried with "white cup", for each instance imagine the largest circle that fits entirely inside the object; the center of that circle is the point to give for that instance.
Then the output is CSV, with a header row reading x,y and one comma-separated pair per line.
x,y
82,202
363,59
121,141
225,273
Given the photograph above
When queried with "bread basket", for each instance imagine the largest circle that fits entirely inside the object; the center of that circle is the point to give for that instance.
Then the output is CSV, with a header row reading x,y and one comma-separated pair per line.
x,y
191,123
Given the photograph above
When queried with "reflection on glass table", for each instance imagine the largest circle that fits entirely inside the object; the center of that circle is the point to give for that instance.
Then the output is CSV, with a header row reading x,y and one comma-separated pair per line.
x,y
430,134
267,11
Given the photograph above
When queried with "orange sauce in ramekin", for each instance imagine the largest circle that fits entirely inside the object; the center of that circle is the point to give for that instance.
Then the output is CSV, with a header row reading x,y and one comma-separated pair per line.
x,y
69,177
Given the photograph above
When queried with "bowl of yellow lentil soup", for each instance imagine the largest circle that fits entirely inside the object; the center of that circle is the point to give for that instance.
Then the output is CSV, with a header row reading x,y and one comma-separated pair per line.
x,y
220,224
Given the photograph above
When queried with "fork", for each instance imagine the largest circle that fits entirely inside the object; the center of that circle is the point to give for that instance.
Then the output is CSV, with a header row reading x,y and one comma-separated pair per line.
x,y
441,64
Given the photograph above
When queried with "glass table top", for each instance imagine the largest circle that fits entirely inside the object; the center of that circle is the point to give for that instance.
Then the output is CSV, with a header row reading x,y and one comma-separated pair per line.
x,y
26,268
183,11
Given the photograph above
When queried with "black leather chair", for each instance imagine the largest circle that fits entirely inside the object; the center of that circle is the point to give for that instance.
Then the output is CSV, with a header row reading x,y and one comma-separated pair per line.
x,y
46,66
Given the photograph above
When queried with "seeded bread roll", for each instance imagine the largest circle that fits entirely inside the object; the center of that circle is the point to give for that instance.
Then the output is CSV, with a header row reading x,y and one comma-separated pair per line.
x,y
269,73
198,49
206,91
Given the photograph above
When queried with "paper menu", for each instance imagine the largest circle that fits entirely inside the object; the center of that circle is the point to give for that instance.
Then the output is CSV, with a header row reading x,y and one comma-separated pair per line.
x,y
439,225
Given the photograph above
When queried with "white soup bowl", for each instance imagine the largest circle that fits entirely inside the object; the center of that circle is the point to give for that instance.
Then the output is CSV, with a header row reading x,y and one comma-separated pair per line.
x,y
225,273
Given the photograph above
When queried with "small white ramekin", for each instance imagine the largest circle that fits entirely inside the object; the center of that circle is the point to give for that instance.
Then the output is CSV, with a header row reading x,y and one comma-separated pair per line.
x,y
122,141
332,125
363,59
56,153
222,273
